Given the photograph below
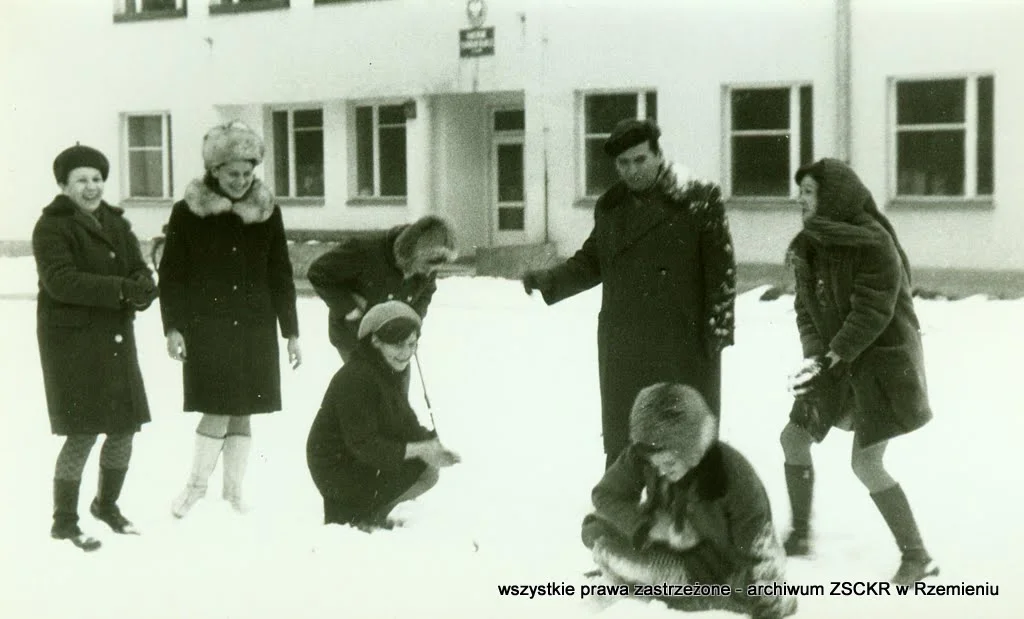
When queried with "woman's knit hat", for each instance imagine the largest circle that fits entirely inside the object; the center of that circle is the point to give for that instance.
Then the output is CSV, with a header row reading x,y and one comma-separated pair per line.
x,y
671,416
233,141
79,156
383,313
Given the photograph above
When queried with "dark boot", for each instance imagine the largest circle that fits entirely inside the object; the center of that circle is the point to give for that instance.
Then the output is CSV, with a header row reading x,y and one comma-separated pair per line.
x,y
800,484
65,515
916,563
104,506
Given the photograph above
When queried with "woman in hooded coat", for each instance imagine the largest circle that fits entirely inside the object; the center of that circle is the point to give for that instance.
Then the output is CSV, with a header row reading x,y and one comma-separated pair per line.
x,y
226,285
864,362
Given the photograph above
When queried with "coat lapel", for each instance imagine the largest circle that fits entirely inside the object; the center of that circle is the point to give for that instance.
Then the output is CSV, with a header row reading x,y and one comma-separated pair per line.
x,y
633,218
92,225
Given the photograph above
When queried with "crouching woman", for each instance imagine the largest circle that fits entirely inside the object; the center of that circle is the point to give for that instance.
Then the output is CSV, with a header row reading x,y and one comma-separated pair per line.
x,y
681,507
366,450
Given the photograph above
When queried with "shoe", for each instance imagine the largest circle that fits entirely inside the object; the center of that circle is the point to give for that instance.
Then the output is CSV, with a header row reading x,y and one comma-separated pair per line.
x,y
913,569
111,514
798,543
65,515
73,534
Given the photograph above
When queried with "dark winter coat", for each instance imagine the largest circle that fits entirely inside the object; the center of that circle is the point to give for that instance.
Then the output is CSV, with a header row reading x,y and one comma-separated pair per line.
x,y
226,283
356,445
365,267
723,500
668,274
853,297
86,334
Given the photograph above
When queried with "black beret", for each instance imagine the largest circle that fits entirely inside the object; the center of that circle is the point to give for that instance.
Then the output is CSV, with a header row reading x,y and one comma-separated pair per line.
x,y
628,133
79,156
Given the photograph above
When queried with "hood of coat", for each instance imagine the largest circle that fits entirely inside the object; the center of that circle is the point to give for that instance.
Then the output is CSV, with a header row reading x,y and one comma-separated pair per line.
x,y
62,205
842,196
204,199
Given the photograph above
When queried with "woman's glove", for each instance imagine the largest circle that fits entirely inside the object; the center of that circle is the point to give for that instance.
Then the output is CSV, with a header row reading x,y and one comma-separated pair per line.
x,y
811,373
138,292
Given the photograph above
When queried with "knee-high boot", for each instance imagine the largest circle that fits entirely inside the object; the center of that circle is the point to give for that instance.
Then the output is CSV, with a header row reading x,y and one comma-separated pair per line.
x,y
104,506
204,460
800,485
916,563
65,515
236,458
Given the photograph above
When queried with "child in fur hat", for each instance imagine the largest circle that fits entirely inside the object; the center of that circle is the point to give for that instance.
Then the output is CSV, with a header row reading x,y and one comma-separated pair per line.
x,y
679,506
400,263
227,285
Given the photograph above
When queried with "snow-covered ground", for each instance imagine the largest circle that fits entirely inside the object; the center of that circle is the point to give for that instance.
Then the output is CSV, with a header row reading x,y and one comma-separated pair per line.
x,y
514,389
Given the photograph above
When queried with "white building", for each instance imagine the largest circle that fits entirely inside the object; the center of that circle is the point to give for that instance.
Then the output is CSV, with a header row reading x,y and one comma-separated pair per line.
x,y
373,117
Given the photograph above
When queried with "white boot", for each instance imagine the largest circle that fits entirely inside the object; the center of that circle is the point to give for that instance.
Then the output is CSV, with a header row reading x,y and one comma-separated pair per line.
x,y
204,460
236,457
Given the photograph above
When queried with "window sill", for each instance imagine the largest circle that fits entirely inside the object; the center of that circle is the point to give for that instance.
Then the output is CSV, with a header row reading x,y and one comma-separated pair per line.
x,y
318,2
366,201
940,204
147,202
585,202
750,203
120,18
248,7
286,201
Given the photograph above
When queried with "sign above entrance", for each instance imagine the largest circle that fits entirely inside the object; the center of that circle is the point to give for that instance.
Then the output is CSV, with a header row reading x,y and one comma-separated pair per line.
x,y
476,42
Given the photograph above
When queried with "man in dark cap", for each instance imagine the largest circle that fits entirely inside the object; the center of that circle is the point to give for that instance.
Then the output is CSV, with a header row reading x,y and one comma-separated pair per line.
x,y
661,248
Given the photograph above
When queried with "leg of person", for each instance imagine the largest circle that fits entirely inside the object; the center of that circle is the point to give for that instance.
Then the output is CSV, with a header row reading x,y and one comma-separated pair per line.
x,y
209,443
426,480
115,455
916,563
237,444
67,480
796,445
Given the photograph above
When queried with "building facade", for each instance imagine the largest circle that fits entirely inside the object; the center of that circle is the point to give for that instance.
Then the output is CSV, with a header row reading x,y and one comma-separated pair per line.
x,y
492,112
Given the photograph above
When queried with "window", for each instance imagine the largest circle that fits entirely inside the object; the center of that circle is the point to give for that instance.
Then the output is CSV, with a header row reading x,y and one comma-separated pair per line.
x,y
148,151
601,112
135,10
299,152
943,137
220,7
509,170
380,151
770,135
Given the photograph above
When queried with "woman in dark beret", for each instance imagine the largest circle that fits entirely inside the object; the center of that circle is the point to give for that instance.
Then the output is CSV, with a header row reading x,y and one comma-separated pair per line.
x,y
226,282
864,362
92,280
366,450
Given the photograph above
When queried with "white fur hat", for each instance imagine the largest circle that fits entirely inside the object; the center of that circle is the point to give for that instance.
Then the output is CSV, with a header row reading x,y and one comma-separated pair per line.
x,y
672,416
233,141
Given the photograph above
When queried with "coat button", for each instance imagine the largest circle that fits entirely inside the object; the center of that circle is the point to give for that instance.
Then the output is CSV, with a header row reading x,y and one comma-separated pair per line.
x,y
118,338
234,249
235,323
391,296
235,287
113,255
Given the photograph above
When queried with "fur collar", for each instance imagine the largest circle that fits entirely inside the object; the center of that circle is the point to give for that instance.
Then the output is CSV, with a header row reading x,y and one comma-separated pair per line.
x,y
256,206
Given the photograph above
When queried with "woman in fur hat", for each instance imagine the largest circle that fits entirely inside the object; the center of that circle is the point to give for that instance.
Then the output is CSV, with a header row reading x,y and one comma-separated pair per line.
x,y
366,450
227,285
864,366
92,280
400,263
679,506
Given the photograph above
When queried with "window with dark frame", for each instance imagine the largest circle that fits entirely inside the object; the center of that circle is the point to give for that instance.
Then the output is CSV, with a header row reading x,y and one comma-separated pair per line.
x,y
148,152
771,134
381,169
298,152
601,112
943,137
131,10
510,179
